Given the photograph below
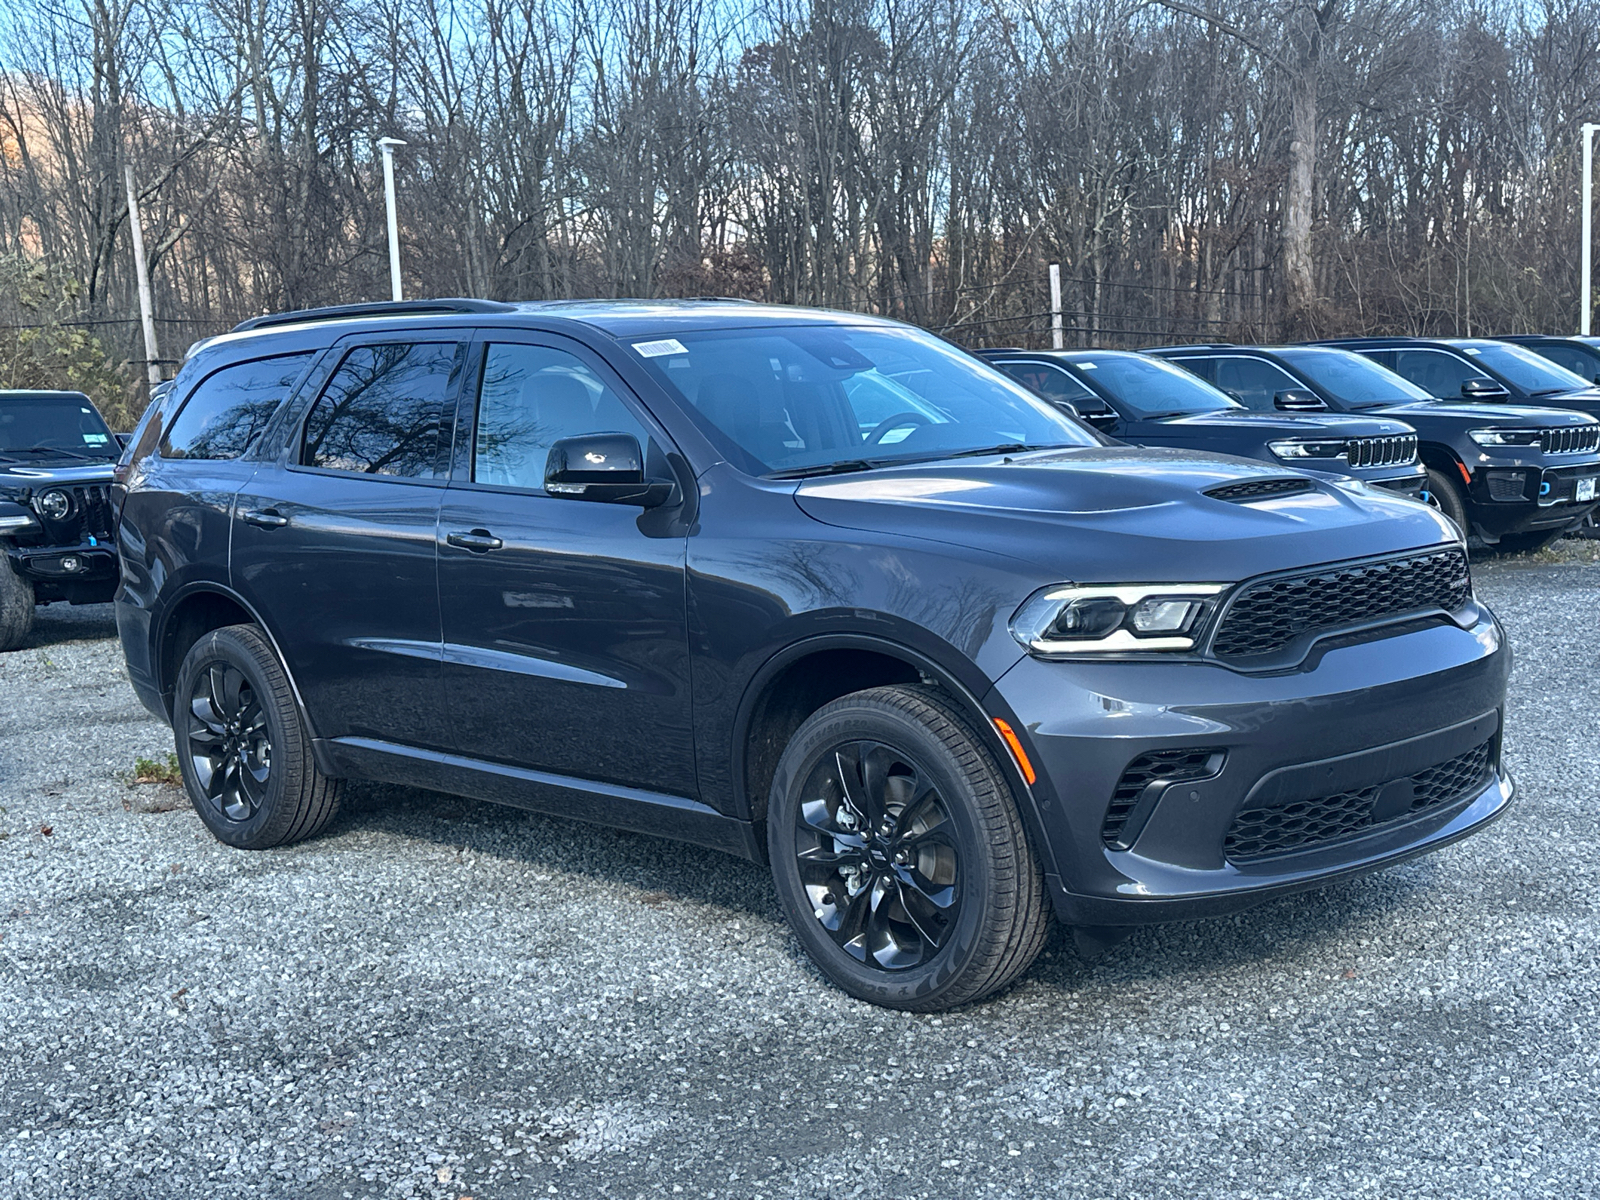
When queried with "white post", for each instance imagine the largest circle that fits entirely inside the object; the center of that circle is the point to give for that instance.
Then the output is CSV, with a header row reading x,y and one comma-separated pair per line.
x,y
387,145
1586,300
141,271
1056,339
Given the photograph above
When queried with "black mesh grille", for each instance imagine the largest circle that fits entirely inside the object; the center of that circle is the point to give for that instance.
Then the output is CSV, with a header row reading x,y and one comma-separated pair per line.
x,y
1301,824
1510,485
1572,439
1382,452
1164,766
1265,617
1256,489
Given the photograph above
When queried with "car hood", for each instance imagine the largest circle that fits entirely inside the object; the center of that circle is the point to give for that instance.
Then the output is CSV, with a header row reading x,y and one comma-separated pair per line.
x,y
1267,424
1525,415
15,476
1125,514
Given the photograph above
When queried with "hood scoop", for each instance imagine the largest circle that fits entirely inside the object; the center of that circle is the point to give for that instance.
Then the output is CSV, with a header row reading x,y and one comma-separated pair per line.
x,y
1258,489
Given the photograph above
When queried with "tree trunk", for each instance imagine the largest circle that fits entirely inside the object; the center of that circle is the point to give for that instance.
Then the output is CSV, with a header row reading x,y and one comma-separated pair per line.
x,y
1299,287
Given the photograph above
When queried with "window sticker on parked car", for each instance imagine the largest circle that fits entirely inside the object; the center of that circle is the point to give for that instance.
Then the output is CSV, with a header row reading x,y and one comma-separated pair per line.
x,y
96,439
660,349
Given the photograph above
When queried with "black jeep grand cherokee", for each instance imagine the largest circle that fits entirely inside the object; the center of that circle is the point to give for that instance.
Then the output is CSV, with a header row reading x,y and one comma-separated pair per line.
x,y
807,587
56,459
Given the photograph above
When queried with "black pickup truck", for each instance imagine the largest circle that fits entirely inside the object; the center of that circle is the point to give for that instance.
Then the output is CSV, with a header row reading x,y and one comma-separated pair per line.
x,y
56,521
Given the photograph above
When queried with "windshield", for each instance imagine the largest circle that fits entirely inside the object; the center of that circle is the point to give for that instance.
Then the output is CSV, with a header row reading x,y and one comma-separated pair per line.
x,y
34,426
1351,378
1525,370
1150,387
791,399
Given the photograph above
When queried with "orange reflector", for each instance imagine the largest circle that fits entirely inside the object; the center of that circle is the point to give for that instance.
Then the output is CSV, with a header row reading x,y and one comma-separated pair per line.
x,y
1017,752
1465,474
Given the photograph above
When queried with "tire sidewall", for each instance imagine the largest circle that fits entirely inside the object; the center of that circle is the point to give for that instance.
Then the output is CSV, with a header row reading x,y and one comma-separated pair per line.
x,y
17,606
868,720
1449,499
266,826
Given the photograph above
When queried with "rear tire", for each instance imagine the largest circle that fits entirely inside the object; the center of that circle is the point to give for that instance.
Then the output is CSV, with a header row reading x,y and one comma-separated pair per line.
x,y
243,750
1445,495
898,853
1527,543
16,607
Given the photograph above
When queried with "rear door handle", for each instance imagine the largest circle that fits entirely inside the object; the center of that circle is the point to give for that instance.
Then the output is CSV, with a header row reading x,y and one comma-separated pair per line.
x,y
477,540
265,519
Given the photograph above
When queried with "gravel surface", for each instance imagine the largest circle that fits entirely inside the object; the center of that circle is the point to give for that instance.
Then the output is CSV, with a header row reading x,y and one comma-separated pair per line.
x,y
447,999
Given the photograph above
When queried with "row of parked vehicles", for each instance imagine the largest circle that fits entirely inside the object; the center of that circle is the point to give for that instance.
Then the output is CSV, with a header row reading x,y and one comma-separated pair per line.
x,y
952,654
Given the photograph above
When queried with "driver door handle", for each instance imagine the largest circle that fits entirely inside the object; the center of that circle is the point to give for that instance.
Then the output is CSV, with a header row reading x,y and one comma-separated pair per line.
x,y
265,519
477,540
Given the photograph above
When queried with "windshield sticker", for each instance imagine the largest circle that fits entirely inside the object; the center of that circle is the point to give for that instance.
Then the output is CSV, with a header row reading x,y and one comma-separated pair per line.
x,y
1089,366
96,439
659,349
1473,350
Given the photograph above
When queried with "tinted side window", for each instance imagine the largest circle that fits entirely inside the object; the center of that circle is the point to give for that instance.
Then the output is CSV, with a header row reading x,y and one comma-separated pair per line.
x,y
381,412
530,398
1206,368
1577,361
1255,382
1434,371
224,414
1048,380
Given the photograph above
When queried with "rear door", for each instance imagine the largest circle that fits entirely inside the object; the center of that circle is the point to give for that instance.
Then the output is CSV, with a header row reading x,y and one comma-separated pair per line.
x,y
565,627
333,543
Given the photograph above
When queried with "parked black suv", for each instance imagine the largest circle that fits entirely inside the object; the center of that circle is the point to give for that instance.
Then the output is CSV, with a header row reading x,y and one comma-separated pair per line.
x,y
801,586
1580,355
1516,476
1149,402
56,456
1481,369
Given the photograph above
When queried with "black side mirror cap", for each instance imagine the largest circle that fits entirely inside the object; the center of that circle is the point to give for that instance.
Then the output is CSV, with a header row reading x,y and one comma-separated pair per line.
x,y
1483,389
1298,400
607,468
1068,407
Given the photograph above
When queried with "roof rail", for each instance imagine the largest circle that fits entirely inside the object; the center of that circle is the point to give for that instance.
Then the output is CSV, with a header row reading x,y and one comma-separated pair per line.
x,y
383,308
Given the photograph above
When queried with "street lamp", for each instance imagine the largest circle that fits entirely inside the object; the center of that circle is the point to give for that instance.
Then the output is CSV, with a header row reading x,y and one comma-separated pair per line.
x,y
387,145
1585,301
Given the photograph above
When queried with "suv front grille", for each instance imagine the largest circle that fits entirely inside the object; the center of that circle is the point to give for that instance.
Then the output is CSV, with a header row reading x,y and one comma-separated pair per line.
x,y
1302,824
1159,766
1263,618
90,515
1258,489
1382,451
1573,439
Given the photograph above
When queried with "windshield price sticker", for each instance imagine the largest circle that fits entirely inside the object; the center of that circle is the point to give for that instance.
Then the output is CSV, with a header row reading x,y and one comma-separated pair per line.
x,y
659,349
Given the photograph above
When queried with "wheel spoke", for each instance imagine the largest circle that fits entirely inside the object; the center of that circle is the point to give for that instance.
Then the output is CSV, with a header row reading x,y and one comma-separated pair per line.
x,y
930,919
204,711
851,790
834,856
233,684
850,932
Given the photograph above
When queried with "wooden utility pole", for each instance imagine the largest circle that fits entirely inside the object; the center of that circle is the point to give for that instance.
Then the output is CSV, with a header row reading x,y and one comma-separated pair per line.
x,y
142,270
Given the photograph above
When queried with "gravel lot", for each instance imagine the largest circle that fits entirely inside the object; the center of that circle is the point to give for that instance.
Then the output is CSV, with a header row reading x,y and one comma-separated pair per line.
x,y
447,999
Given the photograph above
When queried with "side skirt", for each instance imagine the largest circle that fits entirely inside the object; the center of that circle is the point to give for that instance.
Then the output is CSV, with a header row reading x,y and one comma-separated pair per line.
x,y
654,813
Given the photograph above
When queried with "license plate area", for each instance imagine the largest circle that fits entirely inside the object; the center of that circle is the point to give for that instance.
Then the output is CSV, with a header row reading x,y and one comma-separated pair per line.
x,y
1583,489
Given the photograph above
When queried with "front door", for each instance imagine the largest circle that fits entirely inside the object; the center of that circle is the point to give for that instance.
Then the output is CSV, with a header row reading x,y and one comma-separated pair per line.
x,y
565,628
334,543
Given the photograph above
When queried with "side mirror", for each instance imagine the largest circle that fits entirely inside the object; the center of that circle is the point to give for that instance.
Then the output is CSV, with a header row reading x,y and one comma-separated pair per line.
x,y
1298,400
1068,407
604,467
1096,412
1483,389
123,439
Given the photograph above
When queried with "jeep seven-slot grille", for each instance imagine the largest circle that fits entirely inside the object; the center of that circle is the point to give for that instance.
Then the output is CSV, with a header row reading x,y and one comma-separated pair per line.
x,y
1263,618
1159,766
1382,451
1258,489
1572,439
1304,824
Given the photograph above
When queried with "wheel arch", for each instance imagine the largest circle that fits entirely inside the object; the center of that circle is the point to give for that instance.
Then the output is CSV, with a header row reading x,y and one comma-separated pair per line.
x,y
804,676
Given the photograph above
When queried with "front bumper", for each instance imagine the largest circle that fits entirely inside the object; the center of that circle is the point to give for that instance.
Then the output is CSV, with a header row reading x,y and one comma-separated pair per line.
x,y
1527,497
85,573
1408,483
1360,715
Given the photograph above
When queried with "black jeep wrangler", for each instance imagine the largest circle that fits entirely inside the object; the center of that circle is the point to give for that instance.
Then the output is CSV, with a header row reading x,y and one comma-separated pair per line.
x,y
56,458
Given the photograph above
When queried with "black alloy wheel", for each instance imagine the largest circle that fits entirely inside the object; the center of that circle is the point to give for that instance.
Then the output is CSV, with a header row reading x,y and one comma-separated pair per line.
x,y
242,747
899,853
230,748
876,856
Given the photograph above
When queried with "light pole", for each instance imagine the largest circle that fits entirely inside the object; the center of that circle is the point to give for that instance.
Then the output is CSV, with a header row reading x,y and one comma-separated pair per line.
x,y
1586,300
387,145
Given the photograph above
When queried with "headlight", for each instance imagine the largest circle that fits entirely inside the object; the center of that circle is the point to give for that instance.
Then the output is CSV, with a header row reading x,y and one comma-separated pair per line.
x,y
1065,619
55,504
1504,437
1297,448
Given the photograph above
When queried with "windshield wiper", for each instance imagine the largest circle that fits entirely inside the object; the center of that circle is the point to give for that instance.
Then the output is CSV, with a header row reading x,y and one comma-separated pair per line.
x,y
47,450
1003,448
1182,412
843,467
1548,392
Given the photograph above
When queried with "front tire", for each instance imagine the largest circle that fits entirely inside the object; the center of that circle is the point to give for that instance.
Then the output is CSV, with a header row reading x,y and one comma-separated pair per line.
x,y
898,853
16,607
243,750
1445,495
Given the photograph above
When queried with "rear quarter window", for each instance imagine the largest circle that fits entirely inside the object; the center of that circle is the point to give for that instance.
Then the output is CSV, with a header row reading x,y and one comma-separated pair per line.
x,y
224,414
